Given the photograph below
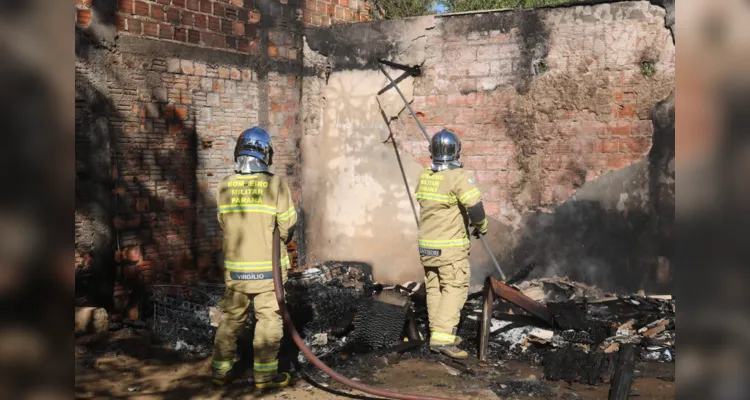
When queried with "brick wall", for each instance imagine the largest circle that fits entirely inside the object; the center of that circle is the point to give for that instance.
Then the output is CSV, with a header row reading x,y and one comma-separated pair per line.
x,y
330,12
542,110
164,88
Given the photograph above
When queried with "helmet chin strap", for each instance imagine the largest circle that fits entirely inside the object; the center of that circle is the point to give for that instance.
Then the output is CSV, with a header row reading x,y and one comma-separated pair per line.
x,y
249,165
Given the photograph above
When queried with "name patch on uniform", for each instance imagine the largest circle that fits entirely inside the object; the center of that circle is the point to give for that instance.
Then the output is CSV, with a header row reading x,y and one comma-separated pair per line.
x,y
429,252
251,276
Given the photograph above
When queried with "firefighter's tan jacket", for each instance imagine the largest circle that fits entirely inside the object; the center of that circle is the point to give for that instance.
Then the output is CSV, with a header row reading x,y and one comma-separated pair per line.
x,y
249,207
443,198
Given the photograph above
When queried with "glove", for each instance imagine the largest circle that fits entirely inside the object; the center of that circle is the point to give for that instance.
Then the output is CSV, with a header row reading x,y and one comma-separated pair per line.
x,y
479,232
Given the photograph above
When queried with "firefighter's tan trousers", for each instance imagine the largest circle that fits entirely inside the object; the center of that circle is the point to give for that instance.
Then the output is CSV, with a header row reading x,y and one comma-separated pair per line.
x,y
266,340
447,287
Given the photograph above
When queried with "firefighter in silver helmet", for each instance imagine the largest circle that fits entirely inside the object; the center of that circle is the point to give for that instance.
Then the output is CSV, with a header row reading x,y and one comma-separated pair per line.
x,y
447,195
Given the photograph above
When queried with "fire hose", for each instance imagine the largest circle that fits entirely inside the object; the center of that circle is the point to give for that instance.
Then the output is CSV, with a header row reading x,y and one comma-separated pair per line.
x,y
279,290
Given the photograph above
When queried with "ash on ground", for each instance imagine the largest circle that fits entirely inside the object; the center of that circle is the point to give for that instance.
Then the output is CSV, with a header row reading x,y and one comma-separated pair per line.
x,y
327,301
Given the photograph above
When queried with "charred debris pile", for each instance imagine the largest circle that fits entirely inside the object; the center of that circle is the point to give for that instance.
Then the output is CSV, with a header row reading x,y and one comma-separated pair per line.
x,y
343,315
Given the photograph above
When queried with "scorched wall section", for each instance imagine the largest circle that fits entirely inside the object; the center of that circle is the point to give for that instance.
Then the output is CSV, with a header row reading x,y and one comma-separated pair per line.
x,y
543,100
554,108
163,89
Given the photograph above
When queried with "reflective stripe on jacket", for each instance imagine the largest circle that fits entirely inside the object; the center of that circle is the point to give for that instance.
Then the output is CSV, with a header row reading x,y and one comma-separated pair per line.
x,y
249,205
443,237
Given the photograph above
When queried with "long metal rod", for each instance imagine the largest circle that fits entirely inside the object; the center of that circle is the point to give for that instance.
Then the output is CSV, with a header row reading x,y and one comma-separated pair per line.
x,y
424,131
492,256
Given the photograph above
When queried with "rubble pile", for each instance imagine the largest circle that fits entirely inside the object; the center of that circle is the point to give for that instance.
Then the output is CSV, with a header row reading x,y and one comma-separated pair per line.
x,y
339,311
590,327
185,318
322,301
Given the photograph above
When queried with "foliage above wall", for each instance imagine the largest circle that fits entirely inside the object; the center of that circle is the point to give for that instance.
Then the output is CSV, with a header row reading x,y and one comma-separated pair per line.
x,y
393,9
477,5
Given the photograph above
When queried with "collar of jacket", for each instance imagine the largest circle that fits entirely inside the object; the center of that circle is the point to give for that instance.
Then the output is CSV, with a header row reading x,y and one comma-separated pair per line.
x,y
437,167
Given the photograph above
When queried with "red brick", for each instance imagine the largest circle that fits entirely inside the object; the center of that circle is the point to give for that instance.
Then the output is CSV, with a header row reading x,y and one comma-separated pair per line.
x,y
151,29
634,145
214,24
498,162
178,3
142,8
193,5
174,129
181,112
492,208
218,41
642,128
125,6
164,2
344,3
194,36
157,12
307,17
626,111
592,128
173,15
582,146
475,162
618,161
235,74
200,21
166,31
348,15
321,7
477,147
316,20
188,18
83,16
186,98
180,34
619,128
220,10
606,146
206,6
487,176
238,29
465,115
218,86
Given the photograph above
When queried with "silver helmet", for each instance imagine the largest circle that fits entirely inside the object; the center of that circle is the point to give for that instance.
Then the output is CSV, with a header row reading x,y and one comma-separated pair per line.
x,y
445,147
255,142
253,152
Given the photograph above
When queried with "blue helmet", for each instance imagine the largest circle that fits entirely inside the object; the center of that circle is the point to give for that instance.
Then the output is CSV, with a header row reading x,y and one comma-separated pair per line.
x,y
445,146
255,142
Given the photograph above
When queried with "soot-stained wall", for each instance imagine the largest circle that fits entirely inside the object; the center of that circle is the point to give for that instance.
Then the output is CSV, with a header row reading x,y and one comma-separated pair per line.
x,y
163,89
554,107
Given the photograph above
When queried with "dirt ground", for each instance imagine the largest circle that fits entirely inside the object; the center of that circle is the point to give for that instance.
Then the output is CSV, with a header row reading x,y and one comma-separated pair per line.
x,y
129,365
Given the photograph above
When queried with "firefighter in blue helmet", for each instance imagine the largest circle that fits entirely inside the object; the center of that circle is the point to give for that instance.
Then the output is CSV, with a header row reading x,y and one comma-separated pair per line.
x,y
251,202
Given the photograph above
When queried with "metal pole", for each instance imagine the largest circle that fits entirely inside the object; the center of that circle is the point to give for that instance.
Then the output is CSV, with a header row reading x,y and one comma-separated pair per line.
x,y
424,131
492,256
